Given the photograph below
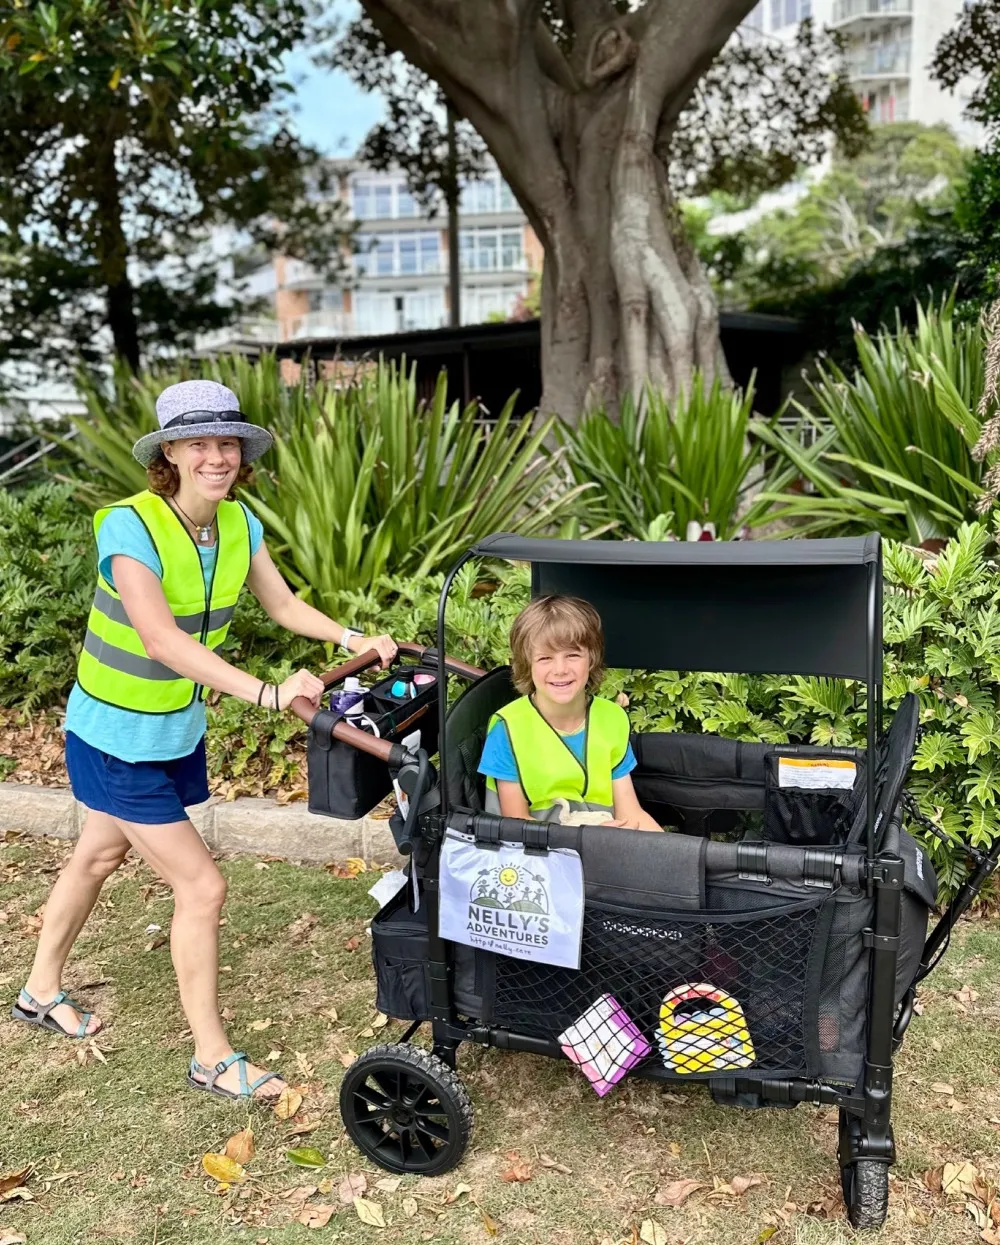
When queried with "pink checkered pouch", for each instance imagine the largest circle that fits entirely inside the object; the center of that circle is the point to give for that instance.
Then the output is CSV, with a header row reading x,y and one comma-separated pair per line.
x,y
604,1042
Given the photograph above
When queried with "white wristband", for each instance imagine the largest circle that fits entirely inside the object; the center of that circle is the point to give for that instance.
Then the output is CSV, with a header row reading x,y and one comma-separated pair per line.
x,y
346,638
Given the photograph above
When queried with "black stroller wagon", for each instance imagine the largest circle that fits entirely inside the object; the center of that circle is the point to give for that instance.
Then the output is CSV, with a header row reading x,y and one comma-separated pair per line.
x,y
769,946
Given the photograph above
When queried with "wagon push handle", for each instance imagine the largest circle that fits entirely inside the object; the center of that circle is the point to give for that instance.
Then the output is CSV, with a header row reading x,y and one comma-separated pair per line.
x,y
392,754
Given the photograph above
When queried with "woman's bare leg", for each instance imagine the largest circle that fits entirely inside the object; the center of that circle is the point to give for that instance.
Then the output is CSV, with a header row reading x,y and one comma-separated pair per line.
x,y
99,851
178,854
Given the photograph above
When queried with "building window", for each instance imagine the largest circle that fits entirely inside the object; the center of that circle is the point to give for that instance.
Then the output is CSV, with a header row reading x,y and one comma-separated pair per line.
x,y
361,200
406,205
786,12
386,255
491,250
489,194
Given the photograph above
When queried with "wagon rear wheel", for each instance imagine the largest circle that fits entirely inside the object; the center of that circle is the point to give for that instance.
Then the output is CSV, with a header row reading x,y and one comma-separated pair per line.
x,y
406,1110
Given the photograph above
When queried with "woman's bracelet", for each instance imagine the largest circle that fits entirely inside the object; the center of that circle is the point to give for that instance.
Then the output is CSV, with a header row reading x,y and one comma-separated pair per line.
x,y
260,694
277,705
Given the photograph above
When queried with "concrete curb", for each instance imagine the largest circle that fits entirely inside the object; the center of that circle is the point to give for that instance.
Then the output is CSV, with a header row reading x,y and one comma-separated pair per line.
x,y
242,825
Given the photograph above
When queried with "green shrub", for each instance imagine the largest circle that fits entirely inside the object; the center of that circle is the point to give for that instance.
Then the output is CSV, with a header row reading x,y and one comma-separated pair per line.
x,y
370,481
692,459
894,446
47,568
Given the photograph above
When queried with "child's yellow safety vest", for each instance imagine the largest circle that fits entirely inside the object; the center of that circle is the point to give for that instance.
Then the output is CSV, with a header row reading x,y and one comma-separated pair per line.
x,y
114,666
547,766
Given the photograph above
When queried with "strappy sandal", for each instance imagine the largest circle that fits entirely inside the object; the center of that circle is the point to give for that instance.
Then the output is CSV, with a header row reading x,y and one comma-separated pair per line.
x,y
211,1075
32,1012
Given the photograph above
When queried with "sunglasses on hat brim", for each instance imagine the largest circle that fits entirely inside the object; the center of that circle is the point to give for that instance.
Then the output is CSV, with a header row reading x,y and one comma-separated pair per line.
x,y
205,417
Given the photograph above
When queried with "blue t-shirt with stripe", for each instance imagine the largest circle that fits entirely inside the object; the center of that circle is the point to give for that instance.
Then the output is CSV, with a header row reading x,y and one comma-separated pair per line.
x,y
121,732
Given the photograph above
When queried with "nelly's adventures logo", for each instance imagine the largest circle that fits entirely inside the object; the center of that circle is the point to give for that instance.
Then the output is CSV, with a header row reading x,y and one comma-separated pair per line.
x,y
512,902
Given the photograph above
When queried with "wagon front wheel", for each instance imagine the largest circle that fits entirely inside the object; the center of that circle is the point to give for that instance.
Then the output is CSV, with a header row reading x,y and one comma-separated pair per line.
x,y
406,1110
864,1183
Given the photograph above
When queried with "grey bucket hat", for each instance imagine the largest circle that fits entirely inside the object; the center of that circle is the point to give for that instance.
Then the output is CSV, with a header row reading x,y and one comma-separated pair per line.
x,y
201,408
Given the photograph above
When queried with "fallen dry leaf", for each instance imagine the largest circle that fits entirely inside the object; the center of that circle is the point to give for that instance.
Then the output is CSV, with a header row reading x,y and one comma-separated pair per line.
x,y
258,1026
545,1161
288,1103
519,1172
489,1223
369,1212
351,1187
240,1146
410,1207
352,943
652,1233
347,1058
380,1021
455,1194
390,1184
13,1180
738,1185
677,1192
9,1237
222,1168
304,1127
959,1179
942,1087
316,1216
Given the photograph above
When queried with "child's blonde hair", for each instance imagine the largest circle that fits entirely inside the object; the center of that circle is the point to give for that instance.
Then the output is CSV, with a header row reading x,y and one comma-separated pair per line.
x,y
561,623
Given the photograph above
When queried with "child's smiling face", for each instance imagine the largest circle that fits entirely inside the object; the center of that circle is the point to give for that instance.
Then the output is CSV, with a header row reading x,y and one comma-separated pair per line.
x,y
560,674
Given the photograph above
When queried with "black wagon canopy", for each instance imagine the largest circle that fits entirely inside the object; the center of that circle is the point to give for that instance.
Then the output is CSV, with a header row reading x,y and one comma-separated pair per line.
x,y
810,607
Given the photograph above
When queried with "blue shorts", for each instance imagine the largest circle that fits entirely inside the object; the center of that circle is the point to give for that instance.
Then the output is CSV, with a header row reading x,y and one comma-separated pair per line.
x,y
152,793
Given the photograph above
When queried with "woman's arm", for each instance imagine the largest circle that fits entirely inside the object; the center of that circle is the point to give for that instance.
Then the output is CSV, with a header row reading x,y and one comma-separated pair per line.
x,y
142,595
628,811
288,611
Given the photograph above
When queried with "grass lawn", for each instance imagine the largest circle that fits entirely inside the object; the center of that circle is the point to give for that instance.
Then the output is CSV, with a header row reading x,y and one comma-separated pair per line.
x,y
116,1142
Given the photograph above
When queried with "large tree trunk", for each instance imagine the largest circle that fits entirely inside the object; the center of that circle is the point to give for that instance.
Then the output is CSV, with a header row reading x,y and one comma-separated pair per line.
x,y
581,131
112,253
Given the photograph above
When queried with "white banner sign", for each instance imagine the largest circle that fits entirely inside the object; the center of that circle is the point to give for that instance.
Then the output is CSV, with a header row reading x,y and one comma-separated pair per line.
x,y
505,900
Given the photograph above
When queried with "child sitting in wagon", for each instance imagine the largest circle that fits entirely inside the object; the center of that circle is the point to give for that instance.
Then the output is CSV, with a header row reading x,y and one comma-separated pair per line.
x,y
559,752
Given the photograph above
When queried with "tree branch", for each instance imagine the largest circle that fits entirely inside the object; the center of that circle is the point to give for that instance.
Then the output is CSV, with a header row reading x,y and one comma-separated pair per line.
x,y
678,40
552,62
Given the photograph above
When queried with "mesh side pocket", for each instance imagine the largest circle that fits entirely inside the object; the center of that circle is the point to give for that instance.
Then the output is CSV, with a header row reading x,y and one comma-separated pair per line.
x,y
708,991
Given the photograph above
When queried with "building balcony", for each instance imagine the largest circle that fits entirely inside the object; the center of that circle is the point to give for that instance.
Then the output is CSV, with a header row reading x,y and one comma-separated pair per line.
x,y
862,13
327,322
243,336
891,60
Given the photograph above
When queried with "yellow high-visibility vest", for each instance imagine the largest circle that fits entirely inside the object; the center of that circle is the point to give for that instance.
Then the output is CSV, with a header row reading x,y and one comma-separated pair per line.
x,y
547,766
114,665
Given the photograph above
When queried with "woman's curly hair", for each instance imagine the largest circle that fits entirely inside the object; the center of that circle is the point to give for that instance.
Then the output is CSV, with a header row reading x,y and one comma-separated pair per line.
x,y
164,478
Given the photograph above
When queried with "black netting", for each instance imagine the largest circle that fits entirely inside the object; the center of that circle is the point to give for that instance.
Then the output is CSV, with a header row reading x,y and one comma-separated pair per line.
x,y
843,993
705,991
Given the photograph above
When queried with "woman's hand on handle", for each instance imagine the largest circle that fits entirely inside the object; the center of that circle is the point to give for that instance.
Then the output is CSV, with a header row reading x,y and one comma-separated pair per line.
x,y
301,683
384,645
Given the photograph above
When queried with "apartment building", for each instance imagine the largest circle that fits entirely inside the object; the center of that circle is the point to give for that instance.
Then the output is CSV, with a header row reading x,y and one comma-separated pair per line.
x,y
889,45
396,279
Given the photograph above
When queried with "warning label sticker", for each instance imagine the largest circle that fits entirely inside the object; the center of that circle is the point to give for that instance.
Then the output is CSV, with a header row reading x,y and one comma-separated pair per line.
x,y
816,772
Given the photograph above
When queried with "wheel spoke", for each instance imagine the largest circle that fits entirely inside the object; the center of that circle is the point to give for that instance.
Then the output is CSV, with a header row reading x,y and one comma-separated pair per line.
x,y
388,1082
431,1128
372,1098
426,1098
426,1148
405,1144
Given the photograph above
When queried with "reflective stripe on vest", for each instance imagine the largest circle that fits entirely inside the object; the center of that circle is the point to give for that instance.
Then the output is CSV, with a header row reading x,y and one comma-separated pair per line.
x,y
114,666
548,767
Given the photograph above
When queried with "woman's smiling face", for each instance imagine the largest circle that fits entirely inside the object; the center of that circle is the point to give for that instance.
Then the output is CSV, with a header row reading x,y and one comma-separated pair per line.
x,y
206,465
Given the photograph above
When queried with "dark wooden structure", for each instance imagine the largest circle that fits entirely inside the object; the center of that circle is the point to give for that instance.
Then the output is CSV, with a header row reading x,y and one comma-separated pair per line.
x,y
491,361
